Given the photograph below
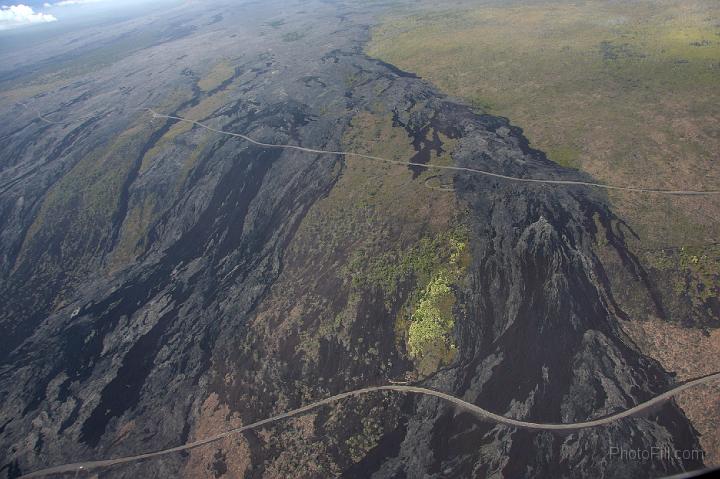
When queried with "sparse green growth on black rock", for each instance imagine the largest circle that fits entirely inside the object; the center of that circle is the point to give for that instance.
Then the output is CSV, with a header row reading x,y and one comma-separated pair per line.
x,y
692,272
421,261
429,337
361,443
702,269
434,265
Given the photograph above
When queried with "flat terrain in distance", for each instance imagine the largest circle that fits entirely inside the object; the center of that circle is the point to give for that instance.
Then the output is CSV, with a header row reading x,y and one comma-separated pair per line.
x,y
627,91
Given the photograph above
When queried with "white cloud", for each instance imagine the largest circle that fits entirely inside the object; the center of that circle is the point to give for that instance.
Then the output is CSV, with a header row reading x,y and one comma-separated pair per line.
x,y
65,3
14,16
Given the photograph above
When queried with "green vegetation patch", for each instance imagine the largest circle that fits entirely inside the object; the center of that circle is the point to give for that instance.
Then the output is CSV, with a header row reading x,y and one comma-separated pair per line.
x,y
429,336
434,264
421,261
566,156
703,268
432,320
696,270
360,444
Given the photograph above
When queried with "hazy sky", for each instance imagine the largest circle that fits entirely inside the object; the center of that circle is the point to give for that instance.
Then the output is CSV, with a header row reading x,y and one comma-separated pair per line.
x,y
32,12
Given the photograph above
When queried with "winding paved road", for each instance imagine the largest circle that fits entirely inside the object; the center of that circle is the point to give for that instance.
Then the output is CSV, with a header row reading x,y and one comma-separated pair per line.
x,y
477,410
437,167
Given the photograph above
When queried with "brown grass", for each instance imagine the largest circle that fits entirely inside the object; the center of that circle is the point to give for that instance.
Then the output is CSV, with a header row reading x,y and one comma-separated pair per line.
x,y
689,353
216,417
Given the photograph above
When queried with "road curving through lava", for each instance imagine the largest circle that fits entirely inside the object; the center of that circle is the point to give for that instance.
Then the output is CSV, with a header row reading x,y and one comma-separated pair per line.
x,y
351,154
461,403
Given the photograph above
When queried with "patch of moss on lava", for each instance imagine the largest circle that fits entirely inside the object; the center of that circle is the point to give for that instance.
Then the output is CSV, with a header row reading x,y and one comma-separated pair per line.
x,y
425,323
432,265
360,444
702,269
432,320
429,336
695,271
389,269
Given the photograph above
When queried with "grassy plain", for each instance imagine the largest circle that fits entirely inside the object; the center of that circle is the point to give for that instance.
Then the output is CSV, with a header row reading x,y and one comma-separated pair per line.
x,y
627,91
